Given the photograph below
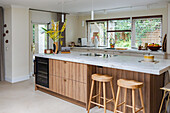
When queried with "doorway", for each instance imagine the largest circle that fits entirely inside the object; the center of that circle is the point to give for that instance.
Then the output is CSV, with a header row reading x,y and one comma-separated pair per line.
x,y
39,38
38,42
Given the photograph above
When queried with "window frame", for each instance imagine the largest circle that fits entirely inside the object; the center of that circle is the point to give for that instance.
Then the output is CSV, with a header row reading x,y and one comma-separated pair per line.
x,y
133,38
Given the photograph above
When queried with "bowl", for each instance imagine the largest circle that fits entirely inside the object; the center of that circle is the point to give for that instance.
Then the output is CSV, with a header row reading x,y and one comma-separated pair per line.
x,y
153,48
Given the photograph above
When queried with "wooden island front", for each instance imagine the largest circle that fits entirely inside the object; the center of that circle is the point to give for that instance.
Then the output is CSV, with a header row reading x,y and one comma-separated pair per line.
x,y
72,81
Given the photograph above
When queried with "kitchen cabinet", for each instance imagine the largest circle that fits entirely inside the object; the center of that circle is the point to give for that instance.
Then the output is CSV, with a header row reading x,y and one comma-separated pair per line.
x,y
68,79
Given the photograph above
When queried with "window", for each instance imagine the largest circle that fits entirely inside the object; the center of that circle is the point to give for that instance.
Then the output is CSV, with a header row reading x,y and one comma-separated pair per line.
x,y
99,30
121,39
147,30
120,32
126,33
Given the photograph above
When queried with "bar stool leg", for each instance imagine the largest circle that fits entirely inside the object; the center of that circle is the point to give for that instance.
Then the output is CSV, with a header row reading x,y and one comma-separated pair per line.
x,y
141,99
91,94
162,102
124,109
133,100
104,93
167,103
113,94
117,99
99,92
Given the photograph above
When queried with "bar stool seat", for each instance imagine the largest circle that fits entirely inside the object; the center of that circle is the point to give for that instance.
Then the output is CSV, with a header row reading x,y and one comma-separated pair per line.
x,y
101,78
130,84
133,85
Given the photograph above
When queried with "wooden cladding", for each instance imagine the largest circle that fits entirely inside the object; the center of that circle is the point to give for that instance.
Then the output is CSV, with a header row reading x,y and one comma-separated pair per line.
x,y
151,90
68,79
73,80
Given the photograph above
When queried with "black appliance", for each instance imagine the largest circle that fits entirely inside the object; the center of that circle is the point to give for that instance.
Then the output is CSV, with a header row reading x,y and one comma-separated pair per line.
x,y
42,71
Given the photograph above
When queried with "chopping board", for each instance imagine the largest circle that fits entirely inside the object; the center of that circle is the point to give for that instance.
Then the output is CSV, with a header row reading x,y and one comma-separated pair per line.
x,y
164,43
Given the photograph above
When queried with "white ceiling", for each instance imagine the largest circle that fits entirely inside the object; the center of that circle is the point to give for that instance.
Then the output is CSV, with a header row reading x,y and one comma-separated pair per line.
x,y
75,6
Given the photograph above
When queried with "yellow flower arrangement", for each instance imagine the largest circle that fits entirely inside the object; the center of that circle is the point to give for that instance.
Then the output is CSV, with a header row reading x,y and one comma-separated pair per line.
x,y
54,33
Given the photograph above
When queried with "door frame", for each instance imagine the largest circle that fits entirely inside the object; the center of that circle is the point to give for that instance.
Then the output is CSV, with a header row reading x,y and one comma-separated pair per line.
x,y
31,70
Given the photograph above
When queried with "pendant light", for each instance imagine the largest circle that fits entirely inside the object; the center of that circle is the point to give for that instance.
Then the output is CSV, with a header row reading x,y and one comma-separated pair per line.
x,y
62,15
92,12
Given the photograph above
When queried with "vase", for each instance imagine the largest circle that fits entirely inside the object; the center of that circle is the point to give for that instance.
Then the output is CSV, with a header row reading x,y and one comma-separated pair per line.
x,y
55,48
96,42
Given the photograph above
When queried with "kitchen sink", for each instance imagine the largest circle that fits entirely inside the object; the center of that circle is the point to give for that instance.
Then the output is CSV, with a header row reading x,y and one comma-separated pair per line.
x,y
98,55
91,54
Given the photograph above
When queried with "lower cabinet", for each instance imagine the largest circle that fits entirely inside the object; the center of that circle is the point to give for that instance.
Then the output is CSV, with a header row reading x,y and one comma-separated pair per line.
x,y
72,87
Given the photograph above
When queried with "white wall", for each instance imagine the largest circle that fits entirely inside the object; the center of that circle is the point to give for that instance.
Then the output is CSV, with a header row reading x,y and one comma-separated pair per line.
x,y
71,29
42,17
168,36
8,46
17,54
20,43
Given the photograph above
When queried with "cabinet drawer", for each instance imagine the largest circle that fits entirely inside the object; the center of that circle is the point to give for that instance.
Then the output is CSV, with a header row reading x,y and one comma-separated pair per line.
x,y
69,88
42,81
70,70
76,72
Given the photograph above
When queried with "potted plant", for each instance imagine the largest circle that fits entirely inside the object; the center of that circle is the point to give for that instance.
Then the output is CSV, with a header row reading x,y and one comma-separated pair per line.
x,y
55,34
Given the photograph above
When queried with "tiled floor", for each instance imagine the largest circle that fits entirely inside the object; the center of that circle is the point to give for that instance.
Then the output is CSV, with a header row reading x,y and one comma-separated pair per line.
x,y
22,98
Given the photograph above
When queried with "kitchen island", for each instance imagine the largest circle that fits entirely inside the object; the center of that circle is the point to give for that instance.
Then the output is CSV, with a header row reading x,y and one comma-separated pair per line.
x,y
70,77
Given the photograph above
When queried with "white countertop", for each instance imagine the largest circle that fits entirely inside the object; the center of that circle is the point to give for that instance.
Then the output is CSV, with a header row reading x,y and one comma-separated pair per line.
x,y
159,52
118,62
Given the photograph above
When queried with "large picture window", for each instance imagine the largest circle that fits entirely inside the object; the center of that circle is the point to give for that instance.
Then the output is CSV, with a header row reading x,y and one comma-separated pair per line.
x,y
147,30
126,32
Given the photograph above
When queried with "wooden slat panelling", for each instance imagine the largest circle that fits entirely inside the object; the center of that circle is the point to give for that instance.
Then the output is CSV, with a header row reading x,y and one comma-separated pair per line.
x,y
74,81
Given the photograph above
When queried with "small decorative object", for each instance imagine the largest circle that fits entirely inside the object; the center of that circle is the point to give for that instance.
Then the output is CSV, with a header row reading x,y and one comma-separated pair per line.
x,y
146,46
148,58
48,51
96,42
65,50
55,47
140,47
4,34
6,41
154,47
7,31
112,43
72,44
164,43
55,34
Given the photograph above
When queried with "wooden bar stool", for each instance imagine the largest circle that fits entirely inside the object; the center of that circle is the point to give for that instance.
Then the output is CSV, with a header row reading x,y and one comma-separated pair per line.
x,y
101,79
166,89
129,84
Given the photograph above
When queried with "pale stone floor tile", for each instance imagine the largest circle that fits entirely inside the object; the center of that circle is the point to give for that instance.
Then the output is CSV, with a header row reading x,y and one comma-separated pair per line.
x,y
22,98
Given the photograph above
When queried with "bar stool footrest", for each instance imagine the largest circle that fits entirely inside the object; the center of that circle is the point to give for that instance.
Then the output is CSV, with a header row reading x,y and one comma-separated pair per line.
x,y
95,96
138,109
97,104
108,100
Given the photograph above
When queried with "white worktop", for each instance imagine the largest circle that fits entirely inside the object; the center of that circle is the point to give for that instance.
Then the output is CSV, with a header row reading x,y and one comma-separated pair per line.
x,y
130,63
